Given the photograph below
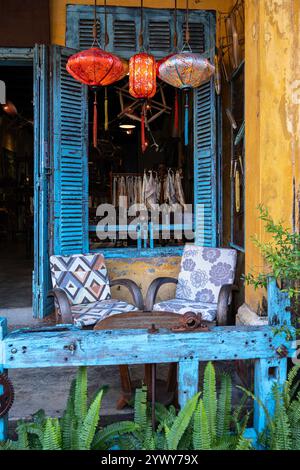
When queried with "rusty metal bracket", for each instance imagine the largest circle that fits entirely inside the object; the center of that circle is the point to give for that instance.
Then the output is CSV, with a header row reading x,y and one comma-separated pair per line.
x,y
7,395
190,322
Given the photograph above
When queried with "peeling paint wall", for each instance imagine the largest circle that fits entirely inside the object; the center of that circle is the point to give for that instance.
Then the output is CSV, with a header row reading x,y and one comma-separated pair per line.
x,y
272,119
143,271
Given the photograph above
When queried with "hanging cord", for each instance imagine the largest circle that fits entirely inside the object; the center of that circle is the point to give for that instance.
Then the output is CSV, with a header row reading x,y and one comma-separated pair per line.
x,y
106,42
106,36
175,40
105,109
187,29
141,35
95,43
95,27
95,121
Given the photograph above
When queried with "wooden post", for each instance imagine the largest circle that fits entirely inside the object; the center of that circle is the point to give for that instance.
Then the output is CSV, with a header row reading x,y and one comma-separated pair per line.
x,y
4,420
267,373
188,378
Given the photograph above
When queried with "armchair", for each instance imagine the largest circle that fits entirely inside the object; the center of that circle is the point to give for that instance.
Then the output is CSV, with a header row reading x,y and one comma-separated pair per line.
x,y
205,285
81,290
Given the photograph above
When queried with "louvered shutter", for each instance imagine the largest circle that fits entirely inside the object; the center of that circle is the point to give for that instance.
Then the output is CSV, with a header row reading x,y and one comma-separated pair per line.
x,y
70,152
205,177
42,305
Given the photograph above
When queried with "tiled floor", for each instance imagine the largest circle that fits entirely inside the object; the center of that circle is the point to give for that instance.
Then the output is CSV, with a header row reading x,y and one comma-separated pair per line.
x,y
15,276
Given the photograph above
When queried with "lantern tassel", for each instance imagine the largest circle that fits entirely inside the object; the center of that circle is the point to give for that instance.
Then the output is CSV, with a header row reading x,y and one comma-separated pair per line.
x,y
143,140
186,120
95,123
106,110
176,115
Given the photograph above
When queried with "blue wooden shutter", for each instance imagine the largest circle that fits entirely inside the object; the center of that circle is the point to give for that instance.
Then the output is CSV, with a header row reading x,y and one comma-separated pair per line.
x,y
205,177
41,276
70,156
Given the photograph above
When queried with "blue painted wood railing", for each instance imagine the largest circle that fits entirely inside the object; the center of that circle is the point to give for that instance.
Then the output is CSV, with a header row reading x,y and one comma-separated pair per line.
x,y
67,345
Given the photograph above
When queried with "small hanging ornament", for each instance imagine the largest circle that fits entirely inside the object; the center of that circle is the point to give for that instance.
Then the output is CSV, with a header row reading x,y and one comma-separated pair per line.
x,y
96,67
185,70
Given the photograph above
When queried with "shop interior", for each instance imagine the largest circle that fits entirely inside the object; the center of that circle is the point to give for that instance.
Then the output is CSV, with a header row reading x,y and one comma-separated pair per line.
x,y
16,187
119,165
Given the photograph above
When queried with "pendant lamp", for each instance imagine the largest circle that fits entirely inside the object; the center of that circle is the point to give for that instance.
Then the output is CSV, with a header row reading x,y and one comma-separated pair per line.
x,y
96,67
185,70
142,80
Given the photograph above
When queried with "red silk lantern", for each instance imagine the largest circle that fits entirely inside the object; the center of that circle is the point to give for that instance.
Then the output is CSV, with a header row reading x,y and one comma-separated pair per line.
x,y
142,76
96,67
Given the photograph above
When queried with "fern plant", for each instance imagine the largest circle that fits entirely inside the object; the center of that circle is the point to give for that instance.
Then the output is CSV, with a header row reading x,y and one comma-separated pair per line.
x,y
76,430
207,422
283,426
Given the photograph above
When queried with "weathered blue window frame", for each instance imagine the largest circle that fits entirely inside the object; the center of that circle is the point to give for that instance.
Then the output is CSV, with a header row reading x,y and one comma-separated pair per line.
x,y
78,35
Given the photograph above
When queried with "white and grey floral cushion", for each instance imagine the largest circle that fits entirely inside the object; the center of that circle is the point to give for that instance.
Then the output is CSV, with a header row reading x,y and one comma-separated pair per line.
x,y
208,311
90,314
203,272
83,277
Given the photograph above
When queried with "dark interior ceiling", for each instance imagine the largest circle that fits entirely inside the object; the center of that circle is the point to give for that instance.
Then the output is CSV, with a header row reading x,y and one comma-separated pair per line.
x,y
19,88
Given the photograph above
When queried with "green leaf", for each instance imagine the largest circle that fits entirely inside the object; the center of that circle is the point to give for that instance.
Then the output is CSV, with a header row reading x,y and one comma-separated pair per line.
x,y
181,423
210,398
88,428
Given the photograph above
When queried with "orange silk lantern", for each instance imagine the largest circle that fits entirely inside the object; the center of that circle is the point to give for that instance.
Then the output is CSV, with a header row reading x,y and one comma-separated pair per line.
x,y
142,84
142,76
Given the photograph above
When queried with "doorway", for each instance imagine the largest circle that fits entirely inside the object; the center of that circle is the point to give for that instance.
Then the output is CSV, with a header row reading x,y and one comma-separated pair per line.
x,y
16,186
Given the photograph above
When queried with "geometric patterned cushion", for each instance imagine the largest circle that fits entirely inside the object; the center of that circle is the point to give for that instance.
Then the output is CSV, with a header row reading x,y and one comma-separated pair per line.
x,y
204,271
83,277
208,311
90,314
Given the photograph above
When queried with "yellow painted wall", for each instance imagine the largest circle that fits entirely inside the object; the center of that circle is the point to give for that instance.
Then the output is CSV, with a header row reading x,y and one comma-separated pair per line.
x,y
58,10
272,118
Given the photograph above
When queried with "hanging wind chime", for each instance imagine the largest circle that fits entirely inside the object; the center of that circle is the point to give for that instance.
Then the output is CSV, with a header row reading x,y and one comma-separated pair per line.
x,y
185,70
96,67
142,80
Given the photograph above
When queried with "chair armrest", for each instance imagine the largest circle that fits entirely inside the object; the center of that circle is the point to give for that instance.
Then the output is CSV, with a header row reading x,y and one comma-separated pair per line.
x,y
154,288
134,290
223,301
64,308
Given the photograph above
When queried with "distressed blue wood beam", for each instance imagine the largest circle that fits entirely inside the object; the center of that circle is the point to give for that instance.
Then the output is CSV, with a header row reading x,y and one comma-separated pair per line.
x,y
267,373
69,346
188,378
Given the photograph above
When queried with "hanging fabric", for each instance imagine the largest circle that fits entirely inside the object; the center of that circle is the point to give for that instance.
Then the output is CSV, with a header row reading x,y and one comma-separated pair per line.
x,y
179,189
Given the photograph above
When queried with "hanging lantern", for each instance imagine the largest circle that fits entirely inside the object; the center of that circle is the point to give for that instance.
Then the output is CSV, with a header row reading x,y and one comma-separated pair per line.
x,y
142,80
96,67
185,70
142,76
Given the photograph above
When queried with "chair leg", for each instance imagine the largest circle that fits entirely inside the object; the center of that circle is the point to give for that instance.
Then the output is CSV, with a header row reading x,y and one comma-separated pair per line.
x,y
126,387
